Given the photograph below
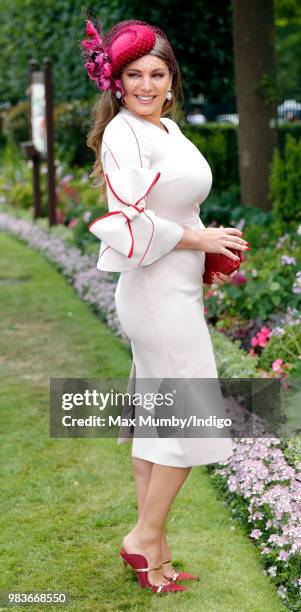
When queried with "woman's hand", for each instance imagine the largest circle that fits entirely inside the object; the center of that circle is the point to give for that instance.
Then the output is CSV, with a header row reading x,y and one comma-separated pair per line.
x,y
220,279
220,240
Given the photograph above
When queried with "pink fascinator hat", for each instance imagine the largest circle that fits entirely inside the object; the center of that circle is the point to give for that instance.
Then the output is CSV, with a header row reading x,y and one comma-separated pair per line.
x,y
107,54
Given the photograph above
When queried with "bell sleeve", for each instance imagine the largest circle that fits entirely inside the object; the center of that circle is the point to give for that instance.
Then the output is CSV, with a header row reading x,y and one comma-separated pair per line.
x,y
131,234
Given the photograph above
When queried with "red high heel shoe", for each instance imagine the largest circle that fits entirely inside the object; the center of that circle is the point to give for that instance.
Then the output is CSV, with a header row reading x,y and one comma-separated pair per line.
x,y
179,575
140,566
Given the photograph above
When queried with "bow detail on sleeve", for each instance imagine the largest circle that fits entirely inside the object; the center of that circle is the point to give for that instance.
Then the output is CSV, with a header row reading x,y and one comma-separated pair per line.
x,y
127,189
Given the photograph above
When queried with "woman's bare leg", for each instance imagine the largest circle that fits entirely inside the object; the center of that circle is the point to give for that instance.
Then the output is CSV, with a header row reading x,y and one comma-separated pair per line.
x,y
146,537
142,471
142,474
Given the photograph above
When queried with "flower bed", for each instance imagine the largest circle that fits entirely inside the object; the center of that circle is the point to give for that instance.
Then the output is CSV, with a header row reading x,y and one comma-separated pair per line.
x,y
265,494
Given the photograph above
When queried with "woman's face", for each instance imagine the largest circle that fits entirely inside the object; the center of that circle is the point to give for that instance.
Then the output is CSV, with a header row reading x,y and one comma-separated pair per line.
x,y
146,82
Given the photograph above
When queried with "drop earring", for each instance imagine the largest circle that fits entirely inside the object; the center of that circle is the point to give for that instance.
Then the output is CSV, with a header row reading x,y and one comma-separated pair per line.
x,y
169,95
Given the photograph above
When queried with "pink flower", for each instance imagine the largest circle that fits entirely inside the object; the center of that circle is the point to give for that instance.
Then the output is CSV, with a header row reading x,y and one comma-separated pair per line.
x,y
92,69
59,216
99,59
88,45
265,330
255,533
283,555
66,179
107,69
91,31
104,83
277,365
73,223
239,279
262,340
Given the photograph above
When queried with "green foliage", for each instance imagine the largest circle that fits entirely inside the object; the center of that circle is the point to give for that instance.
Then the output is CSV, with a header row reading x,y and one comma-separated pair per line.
x,y
231,361
285,181
53,28
266,88
12,165
21,195
224,208
72,122
288,43
292,451
16,122
218,143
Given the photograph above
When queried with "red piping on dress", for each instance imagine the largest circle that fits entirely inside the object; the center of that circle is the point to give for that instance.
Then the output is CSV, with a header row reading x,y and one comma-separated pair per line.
x,y
137,202
117,212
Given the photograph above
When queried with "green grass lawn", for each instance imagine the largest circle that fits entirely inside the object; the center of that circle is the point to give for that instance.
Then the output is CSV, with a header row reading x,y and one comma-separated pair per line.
x,y
66,503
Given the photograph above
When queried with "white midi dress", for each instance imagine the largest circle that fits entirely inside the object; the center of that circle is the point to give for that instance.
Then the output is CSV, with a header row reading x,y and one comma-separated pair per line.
x,y
156,181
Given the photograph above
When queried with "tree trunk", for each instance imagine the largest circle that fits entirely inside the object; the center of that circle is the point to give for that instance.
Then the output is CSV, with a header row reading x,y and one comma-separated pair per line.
x,y
256,96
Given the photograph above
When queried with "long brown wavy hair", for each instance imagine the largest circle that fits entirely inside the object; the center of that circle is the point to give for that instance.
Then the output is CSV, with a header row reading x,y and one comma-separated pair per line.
x,y
107,106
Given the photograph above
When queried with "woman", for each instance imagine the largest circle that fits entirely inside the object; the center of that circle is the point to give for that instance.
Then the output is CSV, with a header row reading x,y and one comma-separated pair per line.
x,y
156,180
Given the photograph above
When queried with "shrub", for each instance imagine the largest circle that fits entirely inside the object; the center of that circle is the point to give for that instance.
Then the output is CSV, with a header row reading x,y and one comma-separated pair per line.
x,y
231,361
72,122
285,182
16,122
21,195
218,144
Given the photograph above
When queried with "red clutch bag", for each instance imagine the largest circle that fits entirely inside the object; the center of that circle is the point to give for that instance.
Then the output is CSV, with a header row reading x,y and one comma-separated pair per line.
x,y
216,262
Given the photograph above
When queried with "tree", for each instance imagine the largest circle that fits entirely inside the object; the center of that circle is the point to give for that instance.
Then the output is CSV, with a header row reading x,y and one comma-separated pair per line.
x,y
256,96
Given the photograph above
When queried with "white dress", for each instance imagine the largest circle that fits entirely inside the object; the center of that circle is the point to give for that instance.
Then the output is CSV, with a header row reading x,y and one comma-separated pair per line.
x,y
156,181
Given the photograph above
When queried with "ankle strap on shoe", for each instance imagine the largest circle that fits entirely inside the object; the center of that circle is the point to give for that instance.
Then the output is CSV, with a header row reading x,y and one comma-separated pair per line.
x,y
149,569
167,561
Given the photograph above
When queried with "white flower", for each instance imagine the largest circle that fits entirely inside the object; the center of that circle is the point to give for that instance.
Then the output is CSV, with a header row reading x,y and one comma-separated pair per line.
x,y
278,332
87,216
297,284
289,261
282,591
240,224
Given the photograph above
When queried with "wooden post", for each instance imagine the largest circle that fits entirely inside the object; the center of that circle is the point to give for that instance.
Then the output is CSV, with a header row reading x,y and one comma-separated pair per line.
x,y
50,147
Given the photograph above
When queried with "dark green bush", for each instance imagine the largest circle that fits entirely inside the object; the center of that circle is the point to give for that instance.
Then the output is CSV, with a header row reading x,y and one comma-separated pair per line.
x,y
218,143
285,181
15,125
72,122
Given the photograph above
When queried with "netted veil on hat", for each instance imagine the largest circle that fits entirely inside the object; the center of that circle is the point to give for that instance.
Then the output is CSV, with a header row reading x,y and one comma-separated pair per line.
x,y
106,54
